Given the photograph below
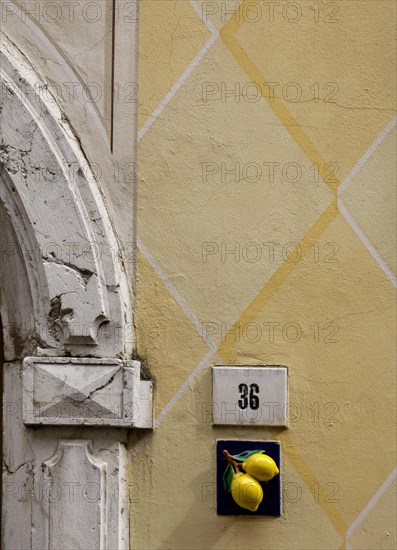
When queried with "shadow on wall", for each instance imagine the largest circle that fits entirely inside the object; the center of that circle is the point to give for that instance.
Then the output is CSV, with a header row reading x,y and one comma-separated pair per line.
x,y
1,412
195,532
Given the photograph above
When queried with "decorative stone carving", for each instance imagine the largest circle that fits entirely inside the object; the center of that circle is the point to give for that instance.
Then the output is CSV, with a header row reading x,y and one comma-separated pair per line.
x,y
50,474
96,392
66,290
77,278
73,467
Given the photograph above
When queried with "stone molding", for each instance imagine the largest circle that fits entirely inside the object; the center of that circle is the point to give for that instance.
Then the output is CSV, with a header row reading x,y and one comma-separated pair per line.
x,y
65,482
81,297
64,391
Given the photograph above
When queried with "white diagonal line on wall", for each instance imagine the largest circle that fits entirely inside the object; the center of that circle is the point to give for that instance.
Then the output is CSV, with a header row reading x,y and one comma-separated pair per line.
x,y
367,155
187,383
173,401
364,513
210,26
179,393
184,76
177,297
345,212
369,246
173,291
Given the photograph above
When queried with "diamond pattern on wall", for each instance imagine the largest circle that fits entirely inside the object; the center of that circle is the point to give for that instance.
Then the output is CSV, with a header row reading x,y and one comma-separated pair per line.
x,y
340,68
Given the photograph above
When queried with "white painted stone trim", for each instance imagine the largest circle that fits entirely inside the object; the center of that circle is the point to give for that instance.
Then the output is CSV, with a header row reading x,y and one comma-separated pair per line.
x,y
81,297
63,391
80,312
98,456
67,532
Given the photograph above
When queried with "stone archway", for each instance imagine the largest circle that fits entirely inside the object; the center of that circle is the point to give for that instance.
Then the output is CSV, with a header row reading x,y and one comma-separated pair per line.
x,y
71,390
62,226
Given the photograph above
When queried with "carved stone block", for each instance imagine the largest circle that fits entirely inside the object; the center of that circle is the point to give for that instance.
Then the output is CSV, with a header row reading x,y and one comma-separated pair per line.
x,y
96,392
74,466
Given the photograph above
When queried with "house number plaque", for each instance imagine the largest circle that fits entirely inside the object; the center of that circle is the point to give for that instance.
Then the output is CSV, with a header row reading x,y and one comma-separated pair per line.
x,y
250,395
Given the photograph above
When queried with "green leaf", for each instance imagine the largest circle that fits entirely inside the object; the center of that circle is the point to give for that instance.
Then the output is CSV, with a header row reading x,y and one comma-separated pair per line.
x,y
246,454
228,478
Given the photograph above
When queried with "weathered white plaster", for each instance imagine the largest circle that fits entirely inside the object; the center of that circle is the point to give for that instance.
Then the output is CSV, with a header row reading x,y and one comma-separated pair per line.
x,y
71,56
74,460
97,392
66,303
57,477
62,226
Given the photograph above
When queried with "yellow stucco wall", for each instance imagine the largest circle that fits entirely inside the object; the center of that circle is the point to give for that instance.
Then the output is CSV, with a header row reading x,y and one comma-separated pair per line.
x,y
315,159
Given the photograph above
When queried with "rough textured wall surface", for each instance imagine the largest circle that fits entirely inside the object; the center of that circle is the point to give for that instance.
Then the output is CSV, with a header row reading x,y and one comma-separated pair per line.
x,y
266,230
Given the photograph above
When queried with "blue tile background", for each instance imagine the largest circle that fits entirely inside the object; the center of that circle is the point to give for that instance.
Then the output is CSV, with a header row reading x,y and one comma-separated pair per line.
x,y
271,503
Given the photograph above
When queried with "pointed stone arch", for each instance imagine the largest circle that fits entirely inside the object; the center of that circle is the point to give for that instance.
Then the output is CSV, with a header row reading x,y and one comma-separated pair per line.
x,y
66,306
79,292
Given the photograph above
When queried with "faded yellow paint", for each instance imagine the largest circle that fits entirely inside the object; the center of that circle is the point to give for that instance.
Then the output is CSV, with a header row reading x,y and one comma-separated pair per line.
x,y
373,206
379,530
176,34
328,296
347,97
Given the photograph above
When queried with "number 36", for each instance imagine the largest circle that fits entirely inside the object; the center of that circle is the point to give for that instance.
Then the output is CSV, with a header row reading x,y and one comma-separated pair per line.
x,y
248,396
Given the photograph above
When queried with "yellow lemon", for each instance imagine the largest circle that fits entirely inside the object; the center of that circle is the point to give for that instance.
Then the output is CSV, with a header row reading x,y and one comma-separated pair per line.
x,y
261,467
246,491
